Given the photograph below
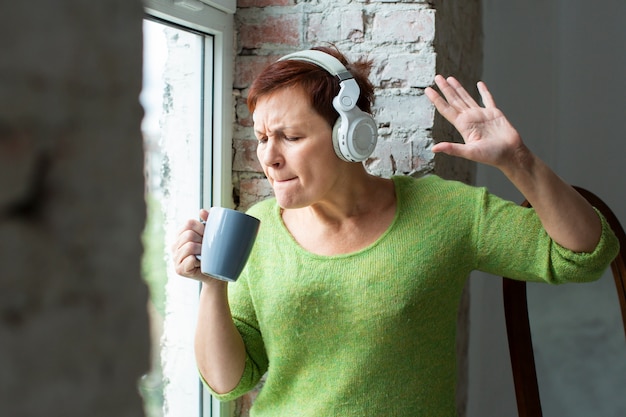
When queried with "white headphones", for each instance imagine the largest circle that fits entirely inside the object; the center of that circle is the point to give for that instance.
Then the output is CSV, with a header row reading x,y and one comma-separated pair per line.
x,y
355,133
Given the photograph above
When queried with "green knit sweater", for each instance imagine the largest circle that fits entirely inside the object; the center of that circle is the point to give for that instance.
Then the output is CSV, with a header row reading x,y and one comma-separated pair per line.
x,y
372,333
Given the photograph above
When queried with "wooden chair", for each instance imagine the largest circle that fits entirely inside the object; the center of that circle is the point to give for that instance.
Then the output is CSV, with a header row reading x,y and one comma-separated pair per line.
x,y
518,326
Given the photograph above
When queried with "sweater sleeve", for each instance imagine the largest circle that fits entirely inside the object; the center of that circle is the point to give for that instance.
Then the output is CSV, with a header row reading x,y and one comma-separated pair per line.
x,y
513,243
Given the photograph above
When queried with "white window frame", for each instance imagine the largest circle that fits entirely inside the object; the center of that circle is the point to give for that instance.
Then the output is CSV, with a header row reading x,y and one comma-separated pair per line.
x,y
214,17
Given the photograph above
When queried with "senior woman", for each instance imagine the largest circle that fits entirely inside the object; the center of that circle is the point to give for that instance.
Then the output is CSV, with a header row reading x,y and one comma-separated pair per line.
x,y
349,299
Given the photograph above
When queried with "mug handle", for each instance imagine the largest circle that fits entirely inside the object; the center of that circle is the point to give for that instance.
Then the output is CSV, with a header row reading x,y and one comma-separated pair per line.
x,y
199,257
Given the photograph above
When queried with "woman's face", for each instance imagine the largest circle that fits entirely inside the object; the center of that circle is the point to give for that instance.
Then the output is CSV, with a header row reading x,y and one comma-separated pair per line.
x,y
295,149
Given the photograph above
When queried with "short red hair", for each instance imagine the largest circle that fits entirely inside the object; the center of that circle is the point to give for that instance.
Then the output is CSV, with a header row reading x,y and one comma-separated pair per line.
x,y
315,81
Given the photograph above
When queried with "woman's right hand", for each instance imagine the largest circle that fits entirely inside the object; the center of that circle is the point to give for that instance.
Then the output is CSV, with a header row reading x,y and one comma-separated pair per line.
x,y
187,246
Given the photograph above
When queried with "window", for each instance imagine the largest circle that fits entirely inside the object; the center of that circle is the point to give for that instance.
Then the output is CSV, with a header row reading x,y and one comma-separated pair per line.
x,y
187,139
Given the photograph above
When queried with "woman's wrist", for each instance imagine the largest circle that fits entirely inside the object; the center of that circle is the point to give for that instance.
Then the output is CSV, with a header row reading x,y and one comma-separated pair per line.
x,y
210,284
521,165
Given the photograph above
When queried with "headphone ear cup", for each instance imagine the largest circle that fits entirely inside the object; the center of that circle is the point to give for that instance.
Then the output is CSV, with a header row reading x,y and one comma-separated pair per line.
x,y
338,136
354,135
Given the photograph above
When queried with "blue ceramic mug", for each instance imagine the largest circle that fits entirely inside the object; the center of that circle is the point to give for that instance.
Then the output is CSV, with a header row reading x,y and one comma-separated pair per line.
x,y
227,242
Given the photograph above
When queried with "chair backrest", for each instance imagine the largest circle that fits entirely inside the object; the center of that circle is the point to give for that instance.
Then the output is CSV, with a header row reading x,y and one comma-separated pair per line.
x,y
518,325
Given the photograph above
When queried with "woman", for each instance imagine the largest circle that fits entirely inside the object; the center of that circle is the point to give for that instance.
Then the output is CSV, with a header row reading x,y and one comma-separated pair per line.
x,y
349,299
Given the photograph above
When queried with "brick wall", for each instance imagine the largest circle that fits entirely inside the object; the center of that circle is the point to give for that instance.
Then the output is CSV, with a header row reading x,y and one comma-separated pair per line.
x,y
398,36
409,42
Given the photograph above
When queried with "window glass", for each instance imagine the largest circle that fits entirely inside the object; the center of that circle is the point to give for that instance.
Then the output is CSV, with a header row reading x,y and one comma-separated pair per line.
x,y
176,129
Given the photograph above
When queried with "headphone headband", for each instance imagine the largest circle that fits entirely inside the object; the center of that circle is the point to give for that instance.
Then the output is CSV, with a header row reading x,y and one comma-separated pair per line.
x,y
321,59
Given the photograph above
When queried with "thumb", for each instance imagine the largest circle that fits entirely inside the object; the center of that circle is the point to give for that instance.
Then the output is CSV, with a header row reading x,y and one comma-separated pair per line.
x,y
449,148
204,214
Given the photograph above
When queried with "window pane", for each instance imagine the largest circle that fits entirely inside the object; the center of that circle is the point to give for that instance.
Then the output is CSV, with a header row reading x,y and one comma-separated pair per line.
x,y
173,128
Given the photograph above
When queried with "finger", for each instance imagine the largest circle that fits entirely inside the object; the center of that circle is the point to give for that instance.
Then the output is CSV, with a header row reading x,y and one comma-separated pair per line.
x,y
485,94
188,267
446,89
441,104
192,231
462,93
453,92
450,148
190,264
186,247
193,224
196,226
185,260
204,214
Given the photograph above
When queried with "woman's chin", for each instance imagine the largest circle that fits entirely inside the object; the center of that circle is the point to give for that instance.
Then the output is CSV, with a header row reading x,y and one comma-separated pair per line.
x,y
288,201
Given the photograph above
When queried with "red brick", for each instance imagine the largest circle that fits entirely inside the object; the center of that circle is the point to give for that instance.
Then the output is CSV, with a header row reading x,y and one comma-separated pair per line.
x,y
242,114
245,156
284,29
252,190
248,67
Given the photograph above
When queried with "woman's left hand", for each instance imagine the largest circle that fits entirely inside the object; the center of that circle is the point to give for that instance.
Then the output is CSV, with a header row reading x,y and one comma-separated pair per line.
x,y
488,135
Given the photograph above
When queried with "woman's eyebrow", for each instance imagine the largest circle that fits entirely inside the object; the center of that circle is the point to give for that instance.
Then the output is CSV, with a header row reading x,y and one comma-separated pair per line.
x,y
278,130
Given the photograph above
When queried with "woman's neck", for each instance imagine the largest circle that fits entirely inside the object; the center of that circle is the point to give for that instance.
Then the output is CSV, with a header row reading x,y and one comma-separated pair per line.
x,y
353,218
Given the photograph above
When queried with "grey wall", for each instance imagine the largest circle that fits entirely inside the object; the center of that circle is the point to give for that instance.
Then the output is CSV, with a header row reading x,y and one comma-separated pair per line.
x,y
73,318
557,70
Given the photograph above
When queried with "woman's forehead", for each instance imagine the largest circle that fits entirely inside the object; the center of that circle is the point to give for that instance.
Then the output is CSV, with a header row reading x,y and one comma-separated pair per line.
x,y
282,108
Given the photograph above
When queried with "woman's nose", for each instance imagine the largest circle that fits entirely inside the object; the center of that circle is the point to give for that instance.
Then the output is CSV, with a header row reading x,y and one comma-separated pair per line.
x,y
269,153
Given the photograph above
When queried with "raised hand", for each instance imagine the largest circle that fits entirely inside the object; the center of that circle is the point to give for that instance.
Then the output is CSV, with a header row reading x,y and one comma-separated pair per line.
x,y
488,135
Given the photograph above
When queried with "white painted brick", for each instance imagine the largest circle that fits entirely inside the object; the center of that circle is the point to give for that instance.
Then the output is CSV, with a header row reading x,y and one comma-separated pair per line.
x,y
404,25
334,25
402,111
407,70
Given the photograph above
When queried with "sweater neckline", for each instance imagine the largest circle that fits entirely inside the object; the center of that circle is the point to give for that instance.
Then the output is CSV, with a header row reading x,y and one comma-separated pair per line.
x,y
289,237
